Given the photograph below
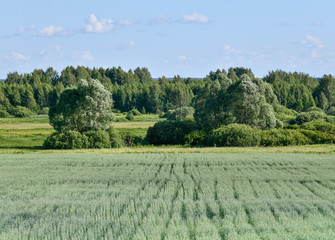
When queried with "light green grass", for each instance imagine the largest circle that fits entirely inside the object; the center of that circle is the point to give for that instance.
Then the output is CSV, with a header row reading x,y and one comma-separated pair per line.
x,y
167,196
28,134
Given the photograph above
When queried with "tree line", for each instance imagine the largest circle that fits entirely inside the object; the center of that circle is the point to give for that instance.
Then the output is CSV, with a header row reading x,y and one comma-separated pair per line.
x,y
41,89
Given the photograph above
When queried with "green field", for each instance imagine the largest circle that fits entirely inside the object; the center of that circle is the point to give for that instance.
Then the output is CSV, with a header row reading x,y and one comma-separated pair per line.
x,y
167,196
28,134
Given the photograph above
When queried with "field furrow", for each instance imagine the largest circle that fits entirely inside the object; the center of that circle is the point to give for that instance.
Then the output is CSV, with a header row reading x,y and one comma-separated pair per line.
x,y
167,196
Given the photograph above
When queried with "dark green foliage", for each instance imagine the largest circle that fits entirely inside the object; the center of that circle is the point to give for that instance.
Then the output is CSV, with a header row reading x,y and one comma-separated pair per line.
x,y
4,114
319,125
317,137
66,140
21,112
44,111
131,140
169,132
283,137
293,90
179,113
325,92
314,109
114,138
331,111
130,116
310,116
97,139
135,112
197,138
236,135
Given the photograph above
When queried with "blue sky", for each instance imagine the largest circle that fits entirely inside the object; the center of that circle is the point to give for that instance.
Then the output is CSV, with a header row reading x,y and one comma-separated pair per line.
x,y
189,38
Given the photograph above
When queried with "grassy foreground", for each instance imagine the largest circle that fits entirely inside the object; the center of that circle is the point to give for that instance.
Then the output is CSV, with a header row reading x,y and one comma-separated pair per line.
x,y
167,196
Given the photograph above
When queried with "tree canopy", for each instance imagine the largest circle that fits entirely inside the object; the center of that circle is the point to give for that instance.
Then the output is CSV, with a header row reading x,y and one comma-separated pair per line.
x,y
88,107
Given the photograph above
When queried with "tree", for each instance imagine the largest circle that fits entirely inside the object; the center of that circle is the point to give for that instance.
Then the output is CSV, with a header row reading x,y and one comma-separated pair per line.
x,y
85,108
247,104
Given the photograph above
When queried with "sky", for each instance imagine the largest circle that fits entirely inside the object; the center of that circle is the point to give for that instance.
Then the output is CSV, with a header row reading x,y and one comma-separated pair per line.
x,y
175,37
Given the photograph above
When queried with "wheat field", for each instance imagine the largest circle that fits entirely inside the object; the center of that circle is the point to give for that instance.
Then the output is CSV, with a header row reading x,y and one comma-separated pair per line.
x,y
167,196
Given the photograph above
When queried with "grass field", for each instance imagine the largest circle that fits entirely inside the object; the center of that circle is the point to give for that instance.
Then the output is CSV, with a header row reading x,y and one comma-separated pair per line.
x,y
167,196
28,134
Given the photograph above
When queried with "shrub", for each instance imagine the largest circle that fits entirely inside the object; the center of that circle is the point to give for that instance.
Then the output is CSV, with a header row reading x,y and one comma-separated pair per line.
x,y
309,116
197,138
180,113
4,114
236,135
331,111
130,116
317,137
319,125
114,138
121,119
66,140
169,132
314,109
21,112
97,139
283,137
44,111
135,112
131,140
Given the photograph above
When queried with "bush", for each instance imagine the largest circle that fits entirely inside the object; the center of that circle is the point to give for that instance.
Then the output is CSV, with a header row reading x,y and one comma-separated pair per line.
x,y
21,112
283,137
314,109
66,140
169,132
236,135
331,111
130,116
121,119
97,139
44,111
131,140
197,138
4,114
319,125
309,116
114,138
317,137
179,113
135,112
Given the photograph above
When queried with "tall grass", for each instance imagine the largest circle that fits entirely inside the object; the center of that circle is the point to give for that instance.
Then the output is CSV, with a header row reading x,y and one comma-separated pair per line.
x,y
167,196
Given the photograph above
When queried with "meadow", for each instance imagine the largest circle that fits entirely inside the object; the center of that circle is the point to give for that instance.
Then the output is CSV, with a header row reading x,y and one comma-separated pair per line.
x,y
167,196
28,134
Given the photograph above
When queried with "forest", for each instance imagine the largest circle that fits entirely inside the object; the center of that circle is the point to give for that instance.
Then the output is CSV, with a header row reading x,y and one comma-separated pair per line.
x,y
137,89
226,108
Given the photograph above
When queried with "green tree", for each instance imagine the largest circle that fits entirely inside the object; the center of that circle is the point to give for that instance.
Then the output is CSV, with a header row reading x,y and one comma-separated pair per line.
x,y
85,108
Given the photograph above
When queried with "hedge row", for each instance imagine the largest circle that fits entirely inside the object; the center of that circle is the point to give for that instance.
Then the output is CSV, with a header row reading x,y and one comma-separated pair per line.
x,y
182,132
91,139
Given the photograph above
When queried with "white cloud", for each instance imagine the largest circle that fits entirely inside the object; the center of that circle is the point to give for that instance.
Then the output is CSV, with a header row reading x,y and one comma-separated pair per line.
x,y
125,22
228,49
52,31
99,25
51,53
83,55
19,56
127,46
182,57
21,29
309,39
195,18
